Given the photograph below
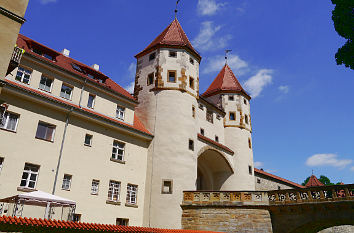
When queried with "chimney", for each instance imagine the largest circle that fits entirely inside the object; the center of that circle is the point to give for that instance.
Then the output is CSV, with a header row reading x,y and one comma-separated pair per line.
x,y
65,52
96,67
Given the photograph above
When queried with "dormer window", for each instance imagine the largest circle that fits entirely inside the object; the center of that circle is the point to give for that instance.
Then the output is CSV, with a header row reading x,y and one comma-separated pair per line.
x,y
191,60
172,76
152,56
77,68
172,54
41,53
120,112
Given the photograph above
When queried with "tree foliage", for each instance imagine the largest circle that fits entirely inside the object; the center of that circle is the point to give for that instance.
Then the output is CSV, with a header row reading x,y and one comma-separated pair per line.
x,y
323,179
343,19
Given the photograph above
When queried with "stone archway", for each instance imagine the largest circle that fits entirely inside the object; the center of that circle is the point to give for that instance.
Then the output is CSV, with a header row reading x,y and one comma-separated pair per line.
x,y
213,169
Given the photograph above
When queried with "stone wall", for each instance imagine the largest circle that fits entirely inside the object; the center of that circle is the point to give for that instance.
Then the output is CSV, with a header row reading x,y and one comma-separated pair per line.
x,y
339,229
265,183
227,219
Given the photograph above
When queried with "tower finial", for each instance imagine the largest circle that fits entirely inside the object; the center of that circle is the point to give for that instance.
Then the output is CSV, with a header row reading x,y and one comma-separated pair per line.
x,y
226,53
176,8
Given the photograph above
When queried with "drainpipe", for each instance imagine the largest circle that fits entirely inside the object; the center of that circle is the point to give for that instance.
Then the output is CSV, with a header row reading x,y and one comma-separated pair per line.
x,y
61,150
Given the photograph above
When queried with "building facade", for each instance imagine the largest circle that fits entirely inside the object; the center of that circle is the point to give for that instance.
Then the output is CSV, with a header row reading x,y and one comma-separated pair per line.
x,y
69,130
266,181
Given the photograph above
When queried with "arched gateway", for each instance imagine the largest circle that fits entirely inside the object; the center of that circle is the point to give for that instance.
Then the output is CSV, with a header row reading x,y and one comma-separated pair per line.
x,y
213,169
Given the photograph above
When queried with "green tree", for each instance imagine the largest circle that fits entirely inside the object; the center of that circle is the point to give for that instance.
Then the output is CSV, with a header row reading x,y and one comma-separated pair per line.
x,y
343,19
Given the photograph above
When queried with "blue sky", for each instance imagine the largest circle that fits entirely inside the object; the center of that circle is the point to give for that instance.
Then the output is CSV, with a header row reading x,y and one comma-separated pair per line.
x,y
282,53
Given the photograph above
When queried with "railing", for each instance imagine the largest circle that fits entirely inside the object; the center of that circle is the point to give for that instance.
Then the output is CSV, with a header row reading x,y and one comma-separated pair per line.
x,y
17,55
225,198
313,194
277,197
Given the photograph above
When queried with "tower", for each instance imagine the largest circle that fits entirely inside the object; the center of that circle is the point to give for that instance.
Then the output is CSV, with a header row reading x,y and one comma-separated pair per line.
x,y
226,92
167,86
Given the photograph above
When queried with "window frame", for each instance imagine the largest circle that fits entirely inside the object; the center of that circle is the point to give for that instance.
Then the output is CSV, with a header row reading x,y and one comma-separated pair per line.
x,y
193,111
95,192
202,131
234,114
151,75
7,116
250,170
71,92
216,138
191,144
91,137
25,71
115,155
170,186
191,81
130,194
171,52
115,191
249,143
120,112
246,119
51,84
93,101
152,56
30,173
168,76
191,60
67,179
1,163
122,221
48,125
231,98
209,116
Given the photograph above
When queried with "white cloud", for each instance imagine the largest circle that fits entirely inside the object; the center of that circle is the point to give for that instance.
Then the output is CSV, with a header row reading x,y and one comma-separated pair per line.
x,y
208,7
258,82
258,164
214,64
284,89
327,160
352,168
206,39
47,1
130,87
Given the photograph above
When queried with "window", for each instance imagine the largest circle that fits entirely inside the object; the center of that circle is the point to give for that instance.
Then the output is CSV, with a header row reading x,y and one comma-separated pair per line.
x,y
132,192
122,221
249,143
171,76
120,112
218,116
76,67
1,163
245,101
166,187
191,60
66,182
23,75
94,187
46,84
209,116
258,181
118,150
246,119
201,106
232,116
150,79
8,120
193,111
45,131
172,54
66,91
191,145
152,56
91,101
88,140
202,131
216,138
29,176
76,217
250,170
113,191
231,97
191,82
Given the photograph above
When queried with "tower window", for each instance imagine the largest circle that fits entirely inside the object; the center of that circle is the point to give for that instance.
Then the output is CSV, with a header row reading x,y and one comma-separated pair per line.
x,y
193,111
172,54
216,138
88,140
152,56
231,98
172,76
209,116
202,131
250,170
258,181
201,106
245,101
191,60
150,79
166,187
232,116
191,145
246,119
191,82
218,116
249,143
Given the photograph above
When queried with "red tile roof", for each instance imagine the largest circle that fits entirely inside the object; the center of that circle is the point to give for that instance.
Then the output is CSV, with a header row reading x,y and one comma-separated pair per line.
x,y
278,178
225,81
137,125
313,181
215,143
173,35
66,63
44,225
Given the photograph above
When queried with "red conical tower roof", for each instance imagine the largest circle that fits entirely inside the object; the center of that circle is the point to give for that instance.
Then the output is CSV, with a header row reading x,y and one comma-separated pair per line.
x,y
172,36
313,181
225,82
